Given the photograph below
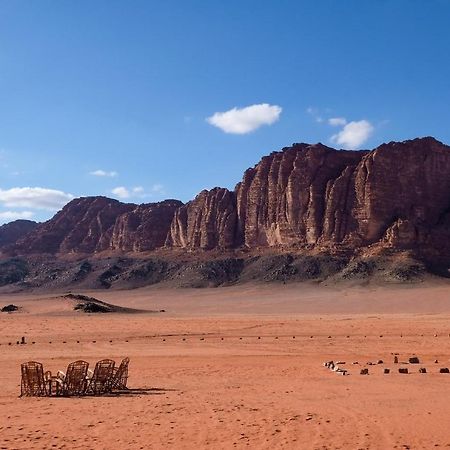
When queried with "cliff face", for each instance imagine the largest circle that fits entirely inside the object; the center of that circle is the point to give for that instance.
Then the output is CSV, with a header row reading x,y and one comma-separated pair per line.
x,y
397,195
402,192
291,197
83,226
209,221
144,228
94,224
306,196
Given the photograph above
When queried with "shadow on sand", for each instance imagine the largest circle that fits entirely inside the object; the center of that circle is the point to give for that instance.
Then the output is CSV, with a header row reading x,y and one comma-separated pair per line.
x,y
132,392
139,391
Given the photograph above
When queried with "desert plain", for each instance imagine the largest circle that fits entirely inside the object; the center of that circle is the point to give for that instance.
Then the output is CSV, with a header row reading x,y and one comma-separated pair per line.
x,y
237,367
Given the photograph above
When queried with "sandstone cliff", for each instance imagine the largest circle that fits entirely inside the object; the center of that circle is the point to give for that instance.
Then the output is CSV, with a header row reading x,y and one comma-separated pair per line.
x,y
297,196
304,197
143,228
95,224
83,226
209,221
397,196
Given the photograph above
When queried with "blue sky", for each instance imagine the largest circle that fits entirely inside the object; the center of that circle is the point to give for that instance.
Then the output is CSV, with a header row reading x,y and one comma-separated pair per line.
x,y
126,98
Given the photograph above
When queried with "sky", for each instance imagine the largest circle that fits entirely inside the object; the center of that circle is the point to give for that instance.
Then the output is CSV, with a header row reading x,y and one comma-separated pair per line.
x,y
146,100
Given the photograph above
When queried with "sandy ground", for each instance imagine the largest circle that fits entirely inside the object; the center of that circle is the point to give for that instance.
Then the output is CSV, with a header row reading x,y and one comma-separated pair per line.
x,y
237,368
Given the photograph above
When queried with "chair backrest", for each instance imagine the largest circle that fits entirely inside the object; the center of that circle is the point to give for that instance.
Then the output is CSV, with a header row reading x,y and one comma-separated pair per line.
x,y
103,371
100,382
75,380
121,376
33,383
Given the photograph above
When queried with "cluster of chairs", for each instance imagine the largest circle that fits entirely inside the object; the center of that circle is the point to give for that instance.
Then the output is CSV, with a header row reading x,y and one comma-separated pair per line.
x,y
77,380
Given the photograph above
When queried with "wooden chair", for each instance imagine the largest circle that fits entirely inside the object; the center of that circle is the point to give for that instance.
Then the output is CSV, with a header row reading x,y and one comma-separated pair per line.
x,y
100,382
74,381
120,375
33,383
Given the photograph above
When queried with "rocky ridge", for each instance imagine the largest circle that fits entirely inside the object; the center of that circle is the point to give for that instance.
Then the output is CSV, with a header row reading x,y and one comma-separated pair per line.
x,y
308,200
11,232
311,196
91,225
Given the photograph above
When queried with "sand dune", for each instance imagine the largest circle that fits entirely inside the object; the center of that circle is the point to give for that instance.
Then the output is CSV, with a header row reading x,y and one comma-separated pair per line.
x,y
222,369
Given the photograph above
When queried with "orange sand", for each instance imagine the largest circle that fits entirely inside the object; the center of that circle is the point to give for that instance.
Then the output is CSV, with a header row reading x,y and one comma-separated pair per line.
x,y
209,392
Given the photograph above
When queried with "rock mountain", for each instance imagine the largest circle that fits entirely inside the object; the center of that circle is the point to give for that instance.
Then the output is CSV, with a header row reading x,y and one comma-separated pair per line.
x,y
304,198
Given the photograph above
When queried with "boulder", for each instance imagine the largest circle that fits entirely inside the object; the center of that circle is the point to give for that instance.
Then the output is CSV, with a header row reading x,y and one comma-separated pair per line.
x,y
9,308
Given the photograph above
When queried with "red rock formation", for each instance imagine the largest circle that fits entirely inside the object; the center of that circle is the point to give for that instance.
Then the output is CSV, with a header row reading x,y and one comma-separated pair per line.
x,y
144,228
83,226
310,195
396,196
208,221
403,187
11,232
94,224
283,200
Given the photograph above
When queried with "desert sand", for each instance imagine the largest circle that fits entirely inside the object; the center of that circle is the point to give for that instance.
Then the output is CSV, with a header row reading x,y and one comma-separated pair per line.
x,y
237,367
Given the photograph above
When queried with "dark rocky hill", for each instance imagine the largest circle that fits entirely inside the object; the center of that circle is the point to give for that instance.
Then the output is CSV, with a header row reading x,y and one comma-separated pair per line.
x,y
11,232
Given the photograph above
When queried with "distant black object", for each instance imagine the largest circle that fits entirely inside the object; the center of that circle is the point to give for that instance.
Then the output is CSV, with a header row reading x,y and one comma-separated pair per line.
x,y
414,360
10,308
444,370
91,307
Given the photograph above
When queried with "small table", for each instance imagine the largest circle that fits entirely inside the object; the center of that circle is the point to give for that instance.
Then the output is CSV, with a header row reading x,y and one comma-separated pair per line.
x,y
54,385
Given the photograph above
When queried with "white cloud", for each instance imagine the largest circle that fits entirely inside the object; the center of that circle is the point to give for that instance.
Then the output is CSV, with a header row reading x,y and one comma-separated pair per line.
x,y
337,121
245,120
34,197
103,173
138,190
353,134
121,192
7,216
